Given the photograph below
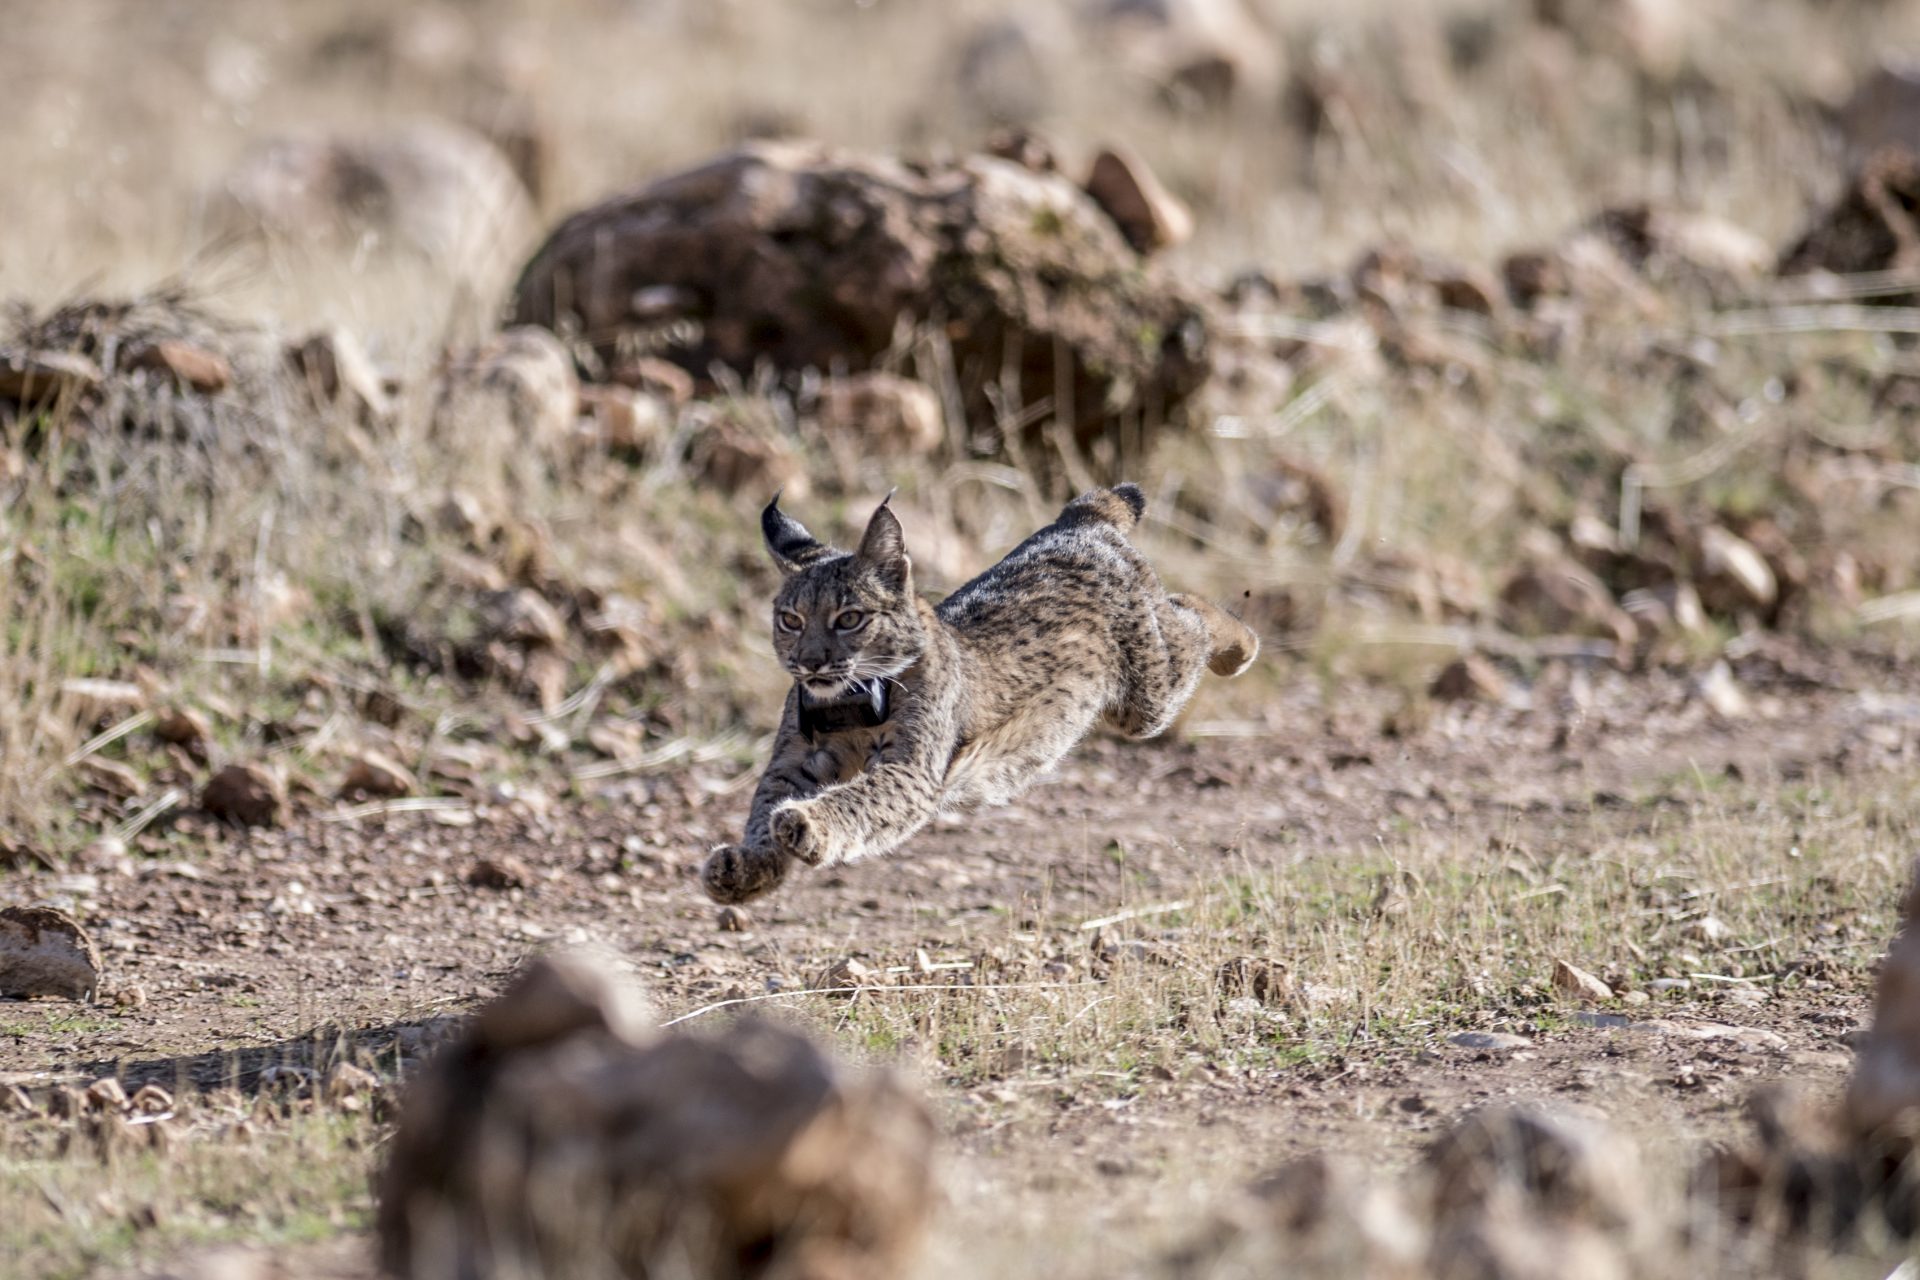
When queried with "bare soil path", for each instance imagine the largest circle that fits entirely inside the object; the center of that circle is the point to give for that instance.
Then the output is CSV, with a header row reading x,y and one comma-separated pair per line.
x,y
252,950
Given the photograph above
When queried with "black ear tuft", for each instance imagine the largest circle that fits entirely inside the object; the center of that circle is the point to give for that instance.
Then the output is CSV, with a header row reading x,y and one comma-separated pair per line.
x,y
788,541
884,547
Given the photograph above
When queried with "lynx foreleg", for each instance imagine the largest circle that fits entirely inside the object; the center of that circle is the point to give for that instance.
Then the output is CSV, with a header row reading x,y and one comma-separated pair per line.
x,y
737,872
872,814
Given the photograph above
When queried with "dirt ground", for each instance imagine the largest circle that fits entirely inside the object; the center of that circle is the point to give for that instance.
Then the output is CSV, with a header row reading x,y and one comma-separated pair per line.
x,y
259,950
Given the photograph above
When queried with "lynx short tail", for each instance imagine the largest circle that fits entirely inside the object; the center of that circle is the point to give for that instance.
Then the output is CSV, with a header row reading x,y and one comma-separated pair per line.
x,y
1121,506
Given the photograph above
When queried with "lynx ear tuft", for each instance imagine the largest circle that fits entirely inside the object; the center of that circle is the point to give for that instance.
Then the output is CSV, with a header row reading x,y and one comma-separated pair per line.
x,y
884,548
788,541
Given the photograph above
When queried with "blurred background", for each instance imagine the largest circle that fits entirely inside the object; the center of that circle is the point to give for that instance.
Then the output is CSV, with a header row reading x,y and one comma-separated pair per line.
x,y
1503,330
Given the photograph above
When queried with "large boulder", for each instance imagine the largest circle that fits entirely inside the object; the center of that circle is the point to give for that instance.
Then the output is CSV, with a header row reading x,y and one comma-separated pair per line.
x,y
800,257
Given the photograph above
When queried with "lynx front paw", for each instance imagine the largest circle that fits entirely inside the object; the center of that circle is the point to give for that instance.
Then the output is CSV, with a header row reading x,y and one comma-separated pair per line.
x,y
798,836
735,873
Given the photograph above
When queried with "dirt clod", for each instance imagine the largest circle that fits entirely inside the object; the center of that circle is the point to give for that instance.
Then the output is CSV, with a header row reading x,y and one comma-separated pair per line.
x,y
183,727
251,795
1470,678
884,413
500,871
374,774
1252,977
1148,215
348,1081
335,369
1570,979
192,367
106,1094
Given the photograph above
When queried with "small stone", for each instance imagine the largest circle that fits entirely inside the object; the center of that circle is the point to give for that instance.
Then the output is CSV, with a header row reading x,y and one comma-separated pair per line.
x,y
1661,986
1254,978
523,377
1148,215
192,367
1709,929
1635,997
111,777
1469,678
373,774
106,1094
1723,694
847,973
32,376
735,458
347,1081
107,853
1493,1040
1578,983
626,420
133,996
45,952
502,871
1737,564
183,727
248,794
733,920
522,617
886,414
337,369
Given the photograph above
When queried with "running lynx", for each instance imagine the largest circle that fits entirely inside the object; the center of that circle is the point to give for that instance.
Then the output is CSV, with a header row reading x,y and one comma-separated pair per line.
x,y
901,710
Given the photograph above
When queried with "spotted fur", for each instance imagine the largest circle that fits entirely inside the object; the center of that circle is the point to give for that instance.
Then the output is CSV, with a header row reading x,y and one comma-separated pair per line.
x,y
986,691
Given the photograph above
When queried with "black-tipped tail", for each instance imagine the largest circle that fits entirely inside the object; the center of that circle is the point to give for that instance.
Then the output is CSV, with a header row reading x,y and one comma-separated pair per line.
x,y
1121,506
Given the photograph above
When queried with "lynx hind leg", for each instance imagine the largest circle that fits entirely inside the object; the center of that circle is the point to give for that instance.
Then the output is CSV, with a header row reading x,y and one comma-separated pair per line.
x,y
1232,645
737,872
1163,649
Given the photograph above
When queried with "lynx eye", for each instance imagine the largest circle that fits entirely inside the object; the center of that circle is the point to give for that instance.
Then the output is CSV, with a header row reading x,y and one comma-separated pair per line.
x,y
849,620
791,621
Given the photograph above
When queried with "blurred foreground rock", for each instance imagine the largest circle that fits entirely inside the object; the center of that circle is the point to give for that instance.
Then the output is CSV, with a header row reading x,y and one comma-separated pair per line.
x,y
799,257
1511,1191
46,952
560,1138
1883,1097
1839,1174
1523,1190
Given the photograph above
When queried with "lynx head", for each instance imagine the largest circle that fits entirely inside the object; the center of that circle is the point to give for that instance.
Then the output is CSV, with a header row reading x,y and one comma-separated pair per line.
x,y
842,618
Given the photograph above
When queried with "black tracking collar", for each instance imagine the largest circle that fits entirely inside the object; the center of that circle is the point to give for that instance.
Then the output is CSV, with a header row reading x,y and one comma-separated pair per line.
x,y
862,706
